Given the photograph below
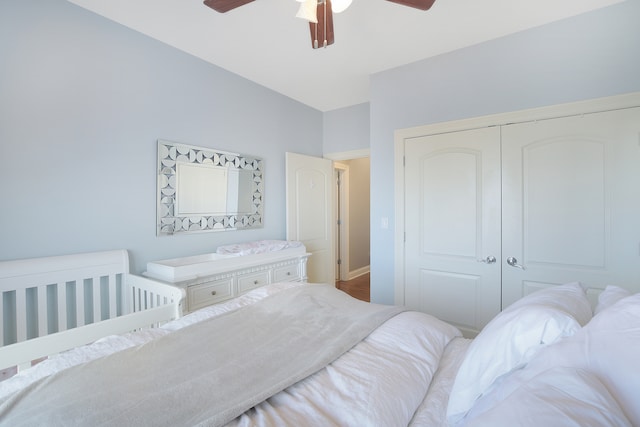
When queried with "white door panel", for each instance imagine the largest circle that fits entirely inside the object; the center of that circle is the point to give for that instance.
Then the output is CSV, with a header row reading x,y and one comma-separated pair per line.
x,y
557,211
310,212
452,222
571,202
452,207
452,297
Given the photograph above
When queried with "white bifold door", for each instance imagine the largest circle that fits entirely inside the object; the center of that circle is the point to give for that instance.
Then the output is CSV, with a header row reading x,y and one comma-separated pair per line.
x,y
495,213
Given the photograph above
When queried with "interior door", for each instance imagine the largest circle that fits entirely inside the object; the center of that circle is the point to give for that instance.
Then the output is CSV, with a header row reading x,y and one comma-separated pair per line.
x,y
452,226
310,212
571,202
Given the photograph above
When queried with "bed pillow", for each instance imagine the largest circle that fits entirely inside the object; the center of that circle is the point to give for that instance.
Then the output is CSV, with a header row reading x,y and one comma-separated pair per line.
x,y
610,296
608,347
512,338
557,397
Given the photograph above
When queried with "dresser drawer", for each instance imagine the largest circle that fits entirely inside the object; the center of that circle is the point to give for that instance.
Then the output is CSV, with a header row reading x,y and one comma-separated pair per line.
x,y
250,281
288,273
208,293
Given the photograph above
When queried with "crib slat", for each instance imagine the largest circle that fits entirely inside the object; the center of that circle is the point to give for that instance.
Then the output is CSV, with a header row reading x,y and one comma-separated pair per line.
x,y
135,299
97,298
113,294
21,314
63,317
80,302
42,311
140,303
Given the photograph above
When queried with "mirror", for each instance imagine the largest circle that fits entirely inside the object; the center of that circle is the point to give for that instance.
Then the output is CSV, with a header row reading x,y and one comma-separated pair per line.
x,y
204,189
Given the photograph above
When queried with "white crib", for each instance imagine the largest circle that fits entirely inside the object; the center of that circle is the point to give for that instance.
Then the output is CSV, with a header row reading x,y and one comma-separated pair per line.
x,y
49,305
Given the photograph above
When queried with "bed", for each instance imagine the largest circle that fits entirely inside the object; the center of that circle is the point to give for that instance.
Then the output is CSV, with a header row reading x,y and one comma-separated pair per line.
x,y
292,354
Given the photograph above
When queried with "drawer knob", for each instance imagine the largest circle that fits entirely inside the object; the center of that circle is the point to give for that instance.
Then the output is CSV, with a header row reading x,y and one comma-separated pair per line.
x,y
288,273
255,282
213,292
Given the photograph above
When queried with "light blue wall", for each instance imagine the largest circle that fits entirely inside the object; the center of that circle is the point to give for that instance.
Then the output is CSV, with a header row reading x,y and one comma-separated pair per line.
x,y
589,56
83,101
346,129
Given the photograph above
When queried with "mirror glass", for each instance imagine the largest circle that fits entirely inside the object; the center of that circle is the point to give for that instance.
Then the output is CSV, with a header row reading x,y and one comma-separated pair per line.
x,y
204,189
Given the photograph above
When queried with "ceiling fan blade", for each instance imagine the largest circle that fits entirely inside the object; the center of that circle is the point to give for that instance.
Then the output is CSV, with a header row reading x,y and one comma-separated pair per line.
x,y
418,4
223,6
322,32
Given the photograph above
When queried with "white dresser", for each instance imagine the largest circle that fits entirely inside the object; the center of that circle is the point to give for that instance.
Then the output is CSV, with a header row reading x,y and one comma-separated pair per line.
x,y
213,278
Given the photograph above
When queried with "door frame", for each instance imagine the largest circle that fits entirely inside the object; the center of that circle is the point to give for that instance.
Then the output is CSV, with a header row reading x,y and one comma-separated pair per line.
x,y
530,115
342,224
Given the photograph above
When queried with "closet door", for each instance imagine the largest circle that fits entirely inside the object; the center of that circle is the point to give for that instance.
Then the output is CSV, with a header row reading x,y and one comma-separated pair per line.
x,y
571,202
452,226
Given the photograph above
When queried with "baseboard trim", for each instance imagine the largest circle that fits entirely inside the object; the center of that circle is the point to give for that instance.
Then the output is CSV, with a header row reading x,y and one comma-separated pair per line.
x,y
357,273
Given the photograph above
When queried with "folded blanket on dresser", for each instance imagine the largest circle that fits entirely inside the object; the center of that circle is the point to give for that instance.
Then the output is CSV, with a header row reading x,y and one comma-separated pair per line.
x,y
207,373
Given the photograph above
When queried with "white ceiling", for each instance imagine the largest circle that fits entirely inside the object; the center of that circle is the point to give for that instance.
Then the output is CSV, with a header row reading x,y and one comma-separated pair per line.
x,y
264,42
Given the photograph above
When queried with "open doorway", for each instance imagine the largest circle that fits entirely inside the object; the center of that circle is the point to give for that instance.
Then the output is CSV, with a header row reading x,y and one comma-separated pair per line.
x,y
318,210
352,210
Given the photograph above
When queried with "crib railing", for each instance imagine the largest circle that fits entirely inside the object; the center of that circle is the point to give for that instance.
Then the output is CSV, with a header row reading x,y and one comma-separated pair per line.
x,y
48,305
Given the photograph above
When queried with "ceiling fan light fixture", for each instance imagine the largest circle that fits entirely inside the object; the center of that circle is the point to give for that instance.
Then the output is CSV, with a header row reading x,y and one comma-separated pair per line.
x,y
319,13
308,10
338,6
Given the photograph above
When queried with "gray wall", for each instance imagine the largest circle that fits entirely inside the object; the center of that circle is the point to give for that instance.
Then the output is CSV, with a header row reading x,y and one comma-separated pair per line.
x,y
346,129
83,101
589,56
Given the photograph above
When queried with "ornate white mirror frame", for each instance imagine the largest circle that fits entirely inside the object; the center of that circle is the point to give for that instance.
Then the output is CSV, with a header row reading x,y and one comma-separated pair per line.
x,y
203,189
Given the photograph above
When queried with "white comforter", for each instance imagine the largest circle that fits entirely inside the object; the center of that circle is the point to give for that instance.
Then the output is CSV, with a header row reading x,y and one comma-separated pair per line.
x,y
381,381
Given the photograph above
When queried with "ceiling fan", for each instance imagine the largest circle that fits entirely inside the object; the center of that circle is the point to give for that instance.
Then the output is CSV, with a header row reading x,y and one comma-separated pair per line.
x,y
319,13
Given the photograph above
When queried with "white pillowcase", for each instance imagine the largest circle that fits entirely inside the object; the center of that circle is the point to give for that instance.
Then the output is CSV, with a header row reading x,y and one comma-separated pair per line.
x,y
608,347
512,338
610,296
558,397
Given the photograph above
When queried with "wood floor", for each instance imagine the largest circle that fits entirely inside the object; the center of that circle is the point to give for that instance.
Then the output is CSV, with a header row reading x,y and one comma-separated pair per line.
x,y
357,288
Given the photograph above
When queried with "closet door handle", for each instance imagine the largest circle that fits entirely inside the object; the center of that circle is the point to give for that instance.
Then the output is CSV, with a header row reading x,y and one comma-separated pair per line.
x,y
489,260
513,262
